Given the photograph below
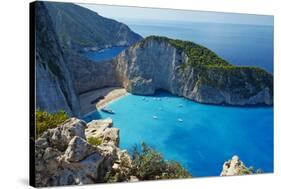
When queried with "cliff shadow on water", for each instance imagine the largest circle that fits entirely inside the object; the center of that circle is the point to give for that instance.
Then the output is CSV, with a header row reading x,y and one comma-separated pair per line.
x,y
166,93
92,116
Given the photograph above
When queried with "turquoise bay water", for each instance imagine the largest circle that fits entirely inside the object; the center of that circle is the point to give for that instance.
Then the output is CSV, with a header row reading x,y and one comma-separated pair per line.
x,y
104,54
207,136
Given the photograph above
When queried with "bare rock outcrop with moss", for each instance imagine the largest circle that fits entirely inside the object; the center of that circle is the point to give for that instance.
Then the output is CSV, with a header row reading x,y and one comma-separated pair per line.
x,y
235,167
64,156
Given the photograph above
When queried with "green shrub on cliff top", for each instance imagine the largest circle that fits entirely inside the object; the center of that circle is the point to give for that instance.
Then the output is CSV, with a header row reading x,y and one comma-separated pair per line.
x,y
149,164
45,120
197,54
94,141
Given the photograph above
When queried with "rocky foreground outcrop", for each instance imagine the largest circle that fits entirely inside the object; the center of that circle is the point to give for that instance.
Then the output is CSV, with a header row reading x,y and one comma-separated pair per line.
x,y
235,167
65,157
192,71
77,153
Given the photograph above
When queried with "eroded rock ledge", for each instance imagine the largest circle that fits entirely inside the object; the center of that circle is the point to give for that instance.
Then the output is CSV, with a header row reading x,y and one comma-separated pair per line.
x,y
65,157
235,167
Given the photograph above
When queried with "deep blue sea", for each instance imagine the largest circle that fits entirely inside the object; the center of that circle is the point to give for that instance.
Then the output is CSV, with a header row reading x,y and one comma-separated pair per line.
x,y
240,44
208,135
205,137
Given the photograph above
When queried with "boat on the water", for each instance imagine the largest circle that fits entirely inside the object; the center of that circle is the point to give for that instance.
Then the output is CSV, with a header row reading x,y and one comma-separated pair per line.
x,y
107,111
180,120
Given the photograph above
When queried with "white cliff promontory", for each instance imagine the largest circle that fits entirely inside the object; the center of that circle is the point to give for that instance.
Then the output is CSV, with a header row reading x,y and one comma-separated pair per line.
x,y
190,70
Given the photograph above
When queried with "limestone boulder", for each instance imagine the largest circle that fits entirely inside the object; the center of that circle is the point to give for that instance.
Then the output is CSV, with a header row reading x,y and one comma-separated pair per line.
x,y
103,129
60,136
235,167
64,157
78,149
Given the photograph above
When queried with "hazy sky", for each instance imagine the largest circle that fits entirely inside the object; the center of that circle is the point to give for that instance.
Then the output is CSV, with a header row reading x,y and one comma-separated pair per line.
x,y
125,13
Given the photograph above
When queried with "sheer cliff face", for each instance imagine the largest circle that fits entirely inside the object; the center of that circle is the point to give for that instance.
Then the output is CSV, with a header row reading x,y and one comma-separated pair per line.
x,y
89,75
154,64
149,66
61,74
78,27
234,86
54,84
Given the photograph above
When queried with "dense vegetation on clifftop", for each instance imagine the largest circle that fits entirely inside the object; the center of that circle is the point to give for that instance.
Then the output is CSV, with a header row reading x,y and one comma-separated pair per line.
x,y
197,54
148,164
201,56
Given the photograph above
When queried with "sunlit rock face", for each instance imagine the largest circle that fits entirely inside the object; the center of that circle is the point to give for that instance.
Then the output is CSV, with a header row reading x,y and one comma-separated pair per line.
x,y
156,63
64,155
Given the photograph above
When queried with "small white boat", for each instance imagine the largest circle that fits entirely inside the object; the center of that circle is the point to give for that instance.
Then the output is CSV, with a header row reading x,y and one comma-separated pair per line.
x,y
107,111
180,120
154,117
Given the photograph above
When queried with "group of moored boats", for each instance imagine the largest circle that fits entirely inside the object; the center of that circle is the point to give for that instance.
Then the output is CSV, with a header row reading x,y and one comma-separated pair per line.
x,y
159,99
179,119
109,111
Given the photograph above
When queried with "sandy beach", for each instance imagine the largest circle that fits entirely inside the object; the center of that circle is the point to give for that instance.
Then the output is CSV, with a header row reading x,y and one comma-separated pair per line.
x,y
97,99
